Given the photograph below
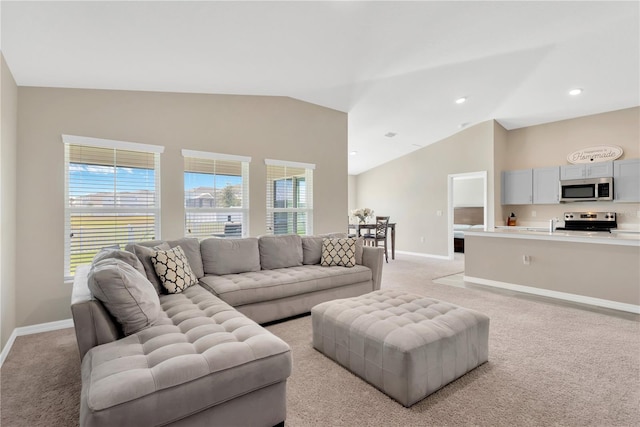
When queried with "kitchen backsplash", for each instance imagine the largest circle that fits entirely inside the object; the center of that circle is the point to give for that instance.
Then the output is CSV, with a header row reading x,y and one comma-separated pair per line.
x,y
628,214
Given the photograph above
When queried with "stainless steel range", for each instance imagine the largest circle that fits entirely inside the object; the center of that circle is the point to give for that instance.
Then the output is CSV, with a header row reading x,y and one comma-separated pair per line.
x,y
589,221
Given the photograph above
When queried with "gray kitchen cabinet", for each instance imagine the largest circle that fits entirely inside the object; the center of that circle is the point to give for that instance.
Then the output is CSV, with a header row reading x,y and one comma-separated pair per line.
x,y
626,180
587,170
546,187
517,187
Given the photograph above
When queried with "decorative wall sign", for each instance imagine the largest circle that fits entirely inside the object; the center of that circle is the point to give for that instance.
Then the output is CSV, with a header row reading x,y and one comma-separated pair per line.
x,y
599,153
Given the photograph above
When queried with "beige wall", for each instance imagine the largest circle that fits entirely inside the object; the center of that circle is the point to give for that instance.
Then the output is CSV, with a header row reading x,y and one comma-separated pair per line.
x,y
588,269
549,144
500,143
413,189
8,148
257,126
352,191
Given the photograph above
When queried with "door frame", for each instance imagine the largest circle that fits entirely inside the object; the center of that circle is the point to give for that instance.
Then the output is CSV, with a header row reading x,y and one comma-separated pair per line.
x,y
468,175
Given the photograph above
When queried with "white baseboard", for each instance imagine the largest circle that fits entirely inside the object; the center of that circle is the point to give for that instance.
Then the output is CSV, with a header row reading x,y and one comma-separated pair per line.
x,y
33,329
424,255
631,308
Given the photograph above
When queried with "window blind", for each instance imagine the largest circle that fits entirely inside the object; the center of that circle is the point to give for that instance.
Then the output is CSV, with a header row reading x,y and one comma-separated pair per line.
x,y
289,197
216,194
112,196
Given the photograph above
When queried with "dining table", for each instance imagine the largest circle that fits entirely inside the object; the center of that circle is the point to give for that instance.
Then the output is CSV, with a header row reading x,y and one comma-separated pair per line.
x,y
366,226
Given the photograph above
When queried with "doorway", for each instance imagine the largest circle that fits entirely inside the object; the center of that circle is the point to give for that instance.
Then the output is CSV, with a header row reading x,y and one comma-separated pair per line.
x,y
467,204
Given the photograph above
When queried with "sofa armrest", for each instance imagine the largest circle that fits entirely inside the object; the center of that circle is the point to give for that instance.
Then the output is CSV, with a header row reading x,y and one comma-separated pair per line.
x,y
372,257
92,322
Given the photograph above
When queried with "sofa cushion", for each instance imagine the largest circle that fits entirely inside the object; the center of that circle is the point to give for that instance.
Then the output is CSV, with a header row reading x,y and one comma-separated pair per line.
x,y
172,267
230,256
144,254
280,251
267,285
190,362
338,252
191,248
125,256
126,293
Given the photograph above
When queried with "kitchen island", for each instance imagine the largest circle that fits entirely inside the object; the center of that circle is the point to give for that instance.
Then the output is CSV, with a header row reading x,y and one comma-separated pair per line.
x,y
596,268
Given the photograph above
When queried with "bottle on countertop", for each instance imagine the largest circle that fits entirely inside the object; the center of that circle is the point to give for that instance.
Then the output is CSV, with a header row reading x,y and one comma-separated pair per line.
x,y
511,221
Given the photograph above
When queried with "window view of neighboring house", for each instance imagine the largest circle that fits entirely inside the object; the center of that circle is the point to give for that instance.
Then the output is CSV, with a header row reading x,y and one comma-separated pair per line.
x,y
111,196
289,197
216,194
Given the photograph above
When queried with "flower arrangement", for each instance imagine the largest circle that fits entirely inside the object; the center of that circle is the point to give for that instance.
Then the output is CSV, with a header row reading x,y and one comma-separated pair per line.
x,y
362,213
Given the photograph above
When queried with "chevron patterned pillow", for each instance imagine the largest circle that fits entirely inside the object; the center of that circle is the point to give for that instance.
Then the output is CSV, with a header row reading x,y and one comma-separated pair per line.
x,y
174,270
340,252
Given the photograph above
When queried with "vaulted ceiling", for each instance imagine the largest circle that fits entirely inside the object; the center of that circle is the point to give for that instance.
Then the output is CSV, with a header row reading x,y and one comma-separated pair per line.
x,y
394,67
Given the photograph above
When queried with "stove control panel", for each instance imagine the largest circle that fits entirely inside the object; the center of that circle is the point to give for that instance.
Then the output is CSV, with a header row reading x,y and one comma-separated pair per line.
x,y
590,216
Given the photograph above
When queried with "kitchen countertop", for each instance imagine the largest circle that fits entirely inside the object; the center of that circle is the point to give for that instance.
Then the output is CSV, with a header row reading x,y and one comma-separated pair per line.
x,y
616,237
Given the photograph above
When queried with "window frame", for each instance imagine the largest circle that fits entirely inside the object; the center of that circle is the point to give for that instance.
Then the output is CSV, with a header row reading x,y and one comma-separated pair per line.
x,y
69,210
294,210
228,211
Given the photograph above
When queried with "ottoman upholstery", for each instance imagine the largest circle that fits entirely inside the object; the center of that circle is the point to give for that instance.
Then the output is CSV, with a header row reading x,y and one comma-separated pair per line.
x,y
406,345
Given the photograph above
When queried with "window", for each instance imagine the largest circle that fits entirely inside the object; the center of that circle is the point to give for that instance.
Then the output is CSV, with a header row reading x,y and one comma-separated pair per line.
x,y
216,194
112,196
289,197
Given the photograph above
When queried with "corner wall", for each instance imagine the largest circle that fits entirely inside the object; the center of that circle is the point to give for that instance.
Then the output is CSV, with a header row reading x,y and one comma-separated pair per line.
x,y
412,190
257,126
8,148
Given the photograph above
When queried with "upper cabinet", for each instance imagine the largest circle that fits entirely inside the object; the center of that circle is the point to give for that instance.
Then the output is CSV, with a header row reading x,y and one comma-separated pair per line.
x,y
517,187
587,170
546,188
626,180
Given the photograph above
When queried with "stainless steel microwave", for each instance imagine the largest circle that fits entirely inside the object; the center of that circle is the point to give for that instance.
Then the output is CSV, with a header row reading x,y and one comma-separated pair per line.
x,y
584,190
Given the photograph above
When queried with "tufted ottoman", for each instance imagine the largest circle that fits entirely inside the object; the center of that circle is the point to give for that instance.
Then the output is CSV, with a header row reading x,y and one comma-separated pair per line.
x,y
204,363
406,345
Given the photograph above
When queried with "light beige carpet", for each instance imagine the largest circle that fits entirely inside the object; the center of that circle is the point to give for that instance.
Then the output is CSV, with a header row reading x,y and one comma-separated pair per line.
x,y
549,364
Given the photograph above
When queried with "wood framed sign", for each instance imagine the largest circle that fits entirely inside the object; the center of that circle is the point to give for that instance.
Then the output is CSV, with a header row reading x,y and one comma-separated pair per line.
x,y
599,153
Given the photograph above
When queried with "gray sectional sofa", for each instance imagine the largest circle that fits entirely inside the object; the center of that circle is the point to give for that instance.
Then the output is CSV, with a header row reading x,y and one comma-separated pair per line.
x,y
200,357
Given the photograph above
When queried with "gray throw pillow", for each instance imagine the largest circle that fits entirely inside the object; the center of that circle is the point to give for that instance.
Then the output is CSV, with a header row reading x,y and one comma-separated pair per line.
x,y
144,254
125,256
280,251
125,293
230,256
191,248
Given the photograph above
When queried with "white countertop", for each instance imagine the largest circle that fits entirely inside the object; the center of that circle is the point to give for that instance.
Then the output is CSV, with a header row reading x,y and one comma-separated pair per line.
x,y
616,237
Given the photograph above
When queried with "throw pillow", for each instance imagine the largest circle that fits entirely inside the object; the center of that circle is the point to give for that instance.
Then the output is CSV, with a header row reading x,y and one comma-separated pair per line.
x,y
340,252
191,248
125,256
173,270
126,294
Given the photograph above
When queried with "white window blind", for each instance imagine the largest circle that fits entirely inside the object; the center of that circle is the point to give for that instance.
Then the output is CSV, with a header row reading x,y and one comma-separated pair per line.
x,y
216,194
289,197
112,196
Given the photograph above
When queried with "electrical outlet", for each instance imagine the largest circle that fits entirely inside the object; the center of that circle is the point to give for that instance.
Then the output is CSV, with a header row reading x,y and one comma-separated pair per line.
x,y
526,259
439,213
421,239
533,214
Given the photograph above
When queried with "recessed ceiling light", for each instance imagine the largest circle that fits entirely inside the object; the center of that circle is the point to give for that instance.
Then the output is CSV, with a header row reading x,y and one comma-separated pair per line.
x,y
353,153
576,91
463,125
390,134
461,100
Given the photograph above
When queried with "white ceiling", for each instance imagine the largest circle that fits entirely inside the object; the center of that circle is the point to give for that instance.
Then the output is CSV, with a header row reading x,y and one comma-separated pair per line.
x,y
393,66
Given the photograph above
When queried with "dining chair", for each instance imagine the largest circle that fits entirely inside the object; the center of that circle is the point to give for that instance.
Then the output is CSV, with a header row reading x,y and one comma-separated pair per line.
x,y
380,235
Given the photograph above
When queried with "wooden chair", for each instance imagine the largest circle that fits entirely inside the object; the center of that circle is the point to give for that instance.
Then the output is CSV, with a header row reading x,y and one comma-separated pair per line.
x,y
380,235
